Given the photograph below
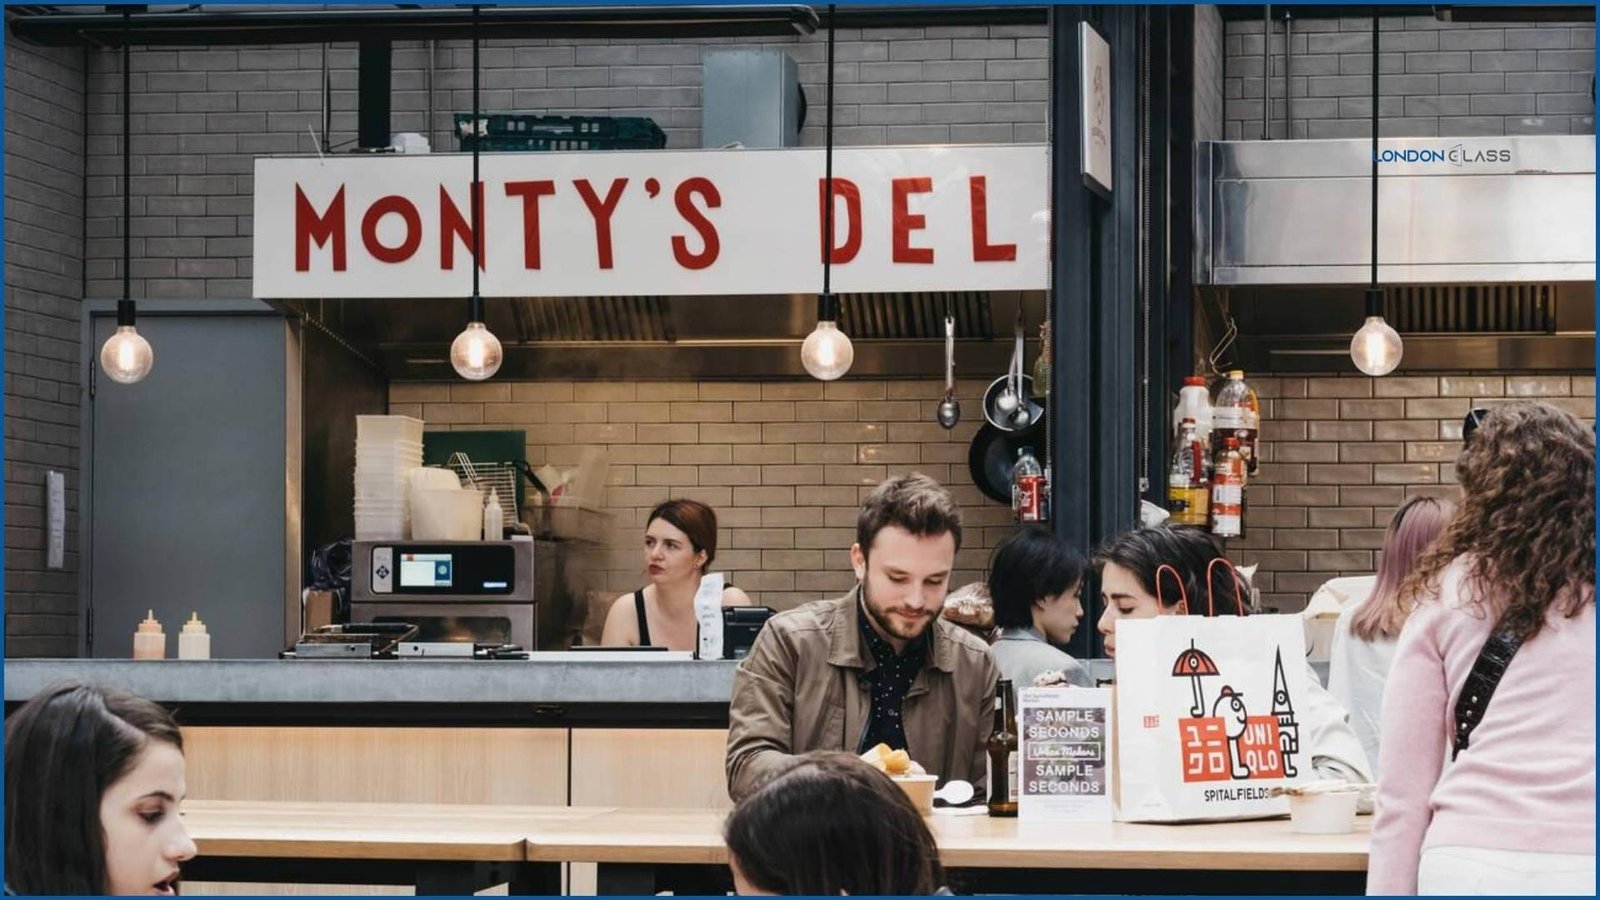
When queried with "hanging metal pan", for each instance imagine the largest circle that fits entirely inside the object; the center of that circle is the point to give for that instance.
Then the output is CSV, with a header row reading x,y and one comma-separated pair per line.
x,y
994,452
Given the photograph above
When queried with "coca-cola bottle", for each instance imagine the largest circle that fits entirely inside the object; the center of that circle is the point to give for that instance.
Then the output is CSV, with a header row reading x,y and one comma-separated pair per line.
x,y
1027,487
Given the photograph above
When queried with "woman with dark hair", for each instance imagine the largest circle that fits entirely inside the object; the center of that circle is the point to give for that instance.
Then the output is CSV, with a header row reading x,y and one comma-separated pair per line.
x,y
830,825
1128,571
93,782
1488,779
1035,577
1364,634
680,543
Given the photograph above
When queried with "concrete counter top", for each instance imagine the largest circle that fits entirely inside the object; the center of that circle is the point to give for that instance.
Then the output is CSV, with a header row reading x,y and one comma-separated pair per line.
x,y
410,682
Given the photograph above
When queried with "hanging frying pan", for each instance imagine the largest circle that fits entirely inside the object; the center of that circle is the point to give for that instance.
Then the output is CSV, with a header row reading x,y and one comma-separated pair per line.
x,y
994,452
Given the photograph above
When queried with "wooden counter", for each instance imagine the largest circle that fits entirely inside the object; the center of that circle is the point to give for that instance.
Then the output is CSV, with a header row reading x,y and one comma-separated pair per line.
x,y
679,836
460,846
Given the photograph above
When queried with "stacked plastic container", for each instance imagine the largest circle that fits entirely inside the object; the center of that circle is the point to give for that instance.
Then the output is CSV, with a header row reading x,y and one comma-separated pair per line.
x,y
387,449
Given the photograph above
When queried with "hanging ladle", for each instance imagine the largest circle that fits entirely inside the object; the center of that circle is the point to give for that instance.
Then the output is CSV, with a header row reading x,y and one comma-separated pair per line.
x,y
1022,415
949,407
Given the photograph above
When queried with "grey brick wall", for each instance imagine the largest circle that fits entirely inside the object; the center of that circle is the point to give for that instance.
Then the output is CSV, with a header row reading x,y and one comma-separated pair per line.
x,y
201,115
43,290
1436,79
1208,48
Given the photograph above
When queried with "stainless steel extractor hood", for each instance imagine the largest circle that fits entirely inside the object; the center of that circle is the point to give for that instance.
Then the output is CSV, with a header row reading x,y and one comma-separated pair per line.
x,y
1451,211
683,337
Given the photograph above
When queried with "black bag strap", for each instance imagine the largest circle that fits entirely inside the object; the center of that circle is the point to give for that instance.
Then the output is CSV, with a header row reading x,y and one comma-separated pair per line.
x,y
1485,676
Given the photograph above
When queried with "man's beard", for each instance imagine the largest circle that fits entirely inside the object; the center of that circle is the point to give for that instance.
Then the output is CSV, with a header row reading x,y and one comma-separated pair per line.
x,y
887,626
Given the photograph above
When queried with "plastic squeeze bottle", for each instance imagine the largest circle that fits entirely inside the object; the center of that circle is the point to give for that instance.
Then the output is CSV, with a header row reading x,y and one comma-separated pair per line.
x,y
194,642
149,641
493,518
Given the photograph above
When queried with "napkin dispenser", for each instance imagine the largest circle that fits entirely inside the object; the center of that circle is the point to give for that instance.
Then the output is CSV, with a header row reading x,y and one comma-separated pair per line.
x,y
740,625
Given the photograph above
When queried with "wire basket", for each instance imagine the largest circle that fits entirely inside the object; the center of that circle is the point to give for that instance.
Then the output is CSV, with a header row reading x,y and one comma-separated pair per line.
x,y
501,477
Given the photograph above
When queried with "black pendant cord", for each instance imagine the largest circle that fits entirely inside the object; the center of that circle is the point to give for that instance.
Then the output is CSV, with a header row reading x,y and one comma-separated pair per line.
x,y
825,304
125,309
1374,305
475,305
1266,72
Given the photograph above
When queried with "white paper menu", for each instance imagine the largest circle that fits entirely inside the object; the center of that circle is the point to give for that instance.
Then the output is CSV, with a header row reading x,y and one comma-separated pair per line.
x,y
1066,745
708,616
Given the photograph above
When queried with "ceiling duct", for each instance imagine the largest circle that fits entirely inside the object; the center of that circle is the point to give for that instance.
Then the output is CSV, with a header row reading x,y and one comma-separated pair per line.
x,y
1446,327
682,337
1453,211
1472,308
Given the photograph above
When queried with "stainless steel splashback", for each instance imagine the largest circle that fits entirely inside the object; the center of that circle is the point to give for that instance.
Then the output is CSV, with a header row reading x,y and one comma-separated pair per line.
x,y
1451,211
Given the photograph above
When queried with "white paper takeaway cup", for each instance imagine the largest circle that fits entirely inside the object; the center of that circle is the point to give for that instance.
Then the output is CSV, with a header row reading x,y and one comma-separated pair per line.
x,y
1324,812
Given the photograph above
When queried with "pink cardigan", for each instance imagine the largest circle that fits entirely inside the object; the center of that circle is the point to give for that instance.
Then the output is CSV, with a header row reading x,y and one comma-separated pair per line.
x,y
1526,782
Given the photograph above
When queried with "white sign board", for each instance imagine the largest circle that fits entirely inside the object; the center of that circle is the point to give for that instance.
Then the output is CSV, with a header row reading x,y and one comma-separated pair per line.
x,y
653,223
1066,748
1094,85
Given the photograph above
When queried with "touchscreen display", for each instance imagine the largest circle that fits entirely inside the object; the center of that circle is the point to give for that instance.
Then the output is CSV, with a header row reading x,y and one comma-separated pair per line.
x,y
426,570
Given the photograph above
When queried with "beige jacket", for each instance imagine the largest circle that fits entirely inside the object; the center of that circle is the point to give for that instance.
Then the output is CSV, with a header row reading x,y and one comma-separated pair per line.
x,y
801,689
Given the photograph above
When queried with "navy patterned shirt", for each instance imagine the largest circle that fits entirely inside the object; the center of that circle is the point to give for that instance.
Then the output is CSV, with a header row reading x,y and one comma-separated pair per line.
x,y
890,680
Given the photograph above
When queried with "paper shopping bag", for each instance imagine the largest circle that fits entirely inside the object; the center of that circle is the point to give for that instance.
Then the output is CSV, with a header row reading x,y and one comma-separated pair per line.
x,y
1206,724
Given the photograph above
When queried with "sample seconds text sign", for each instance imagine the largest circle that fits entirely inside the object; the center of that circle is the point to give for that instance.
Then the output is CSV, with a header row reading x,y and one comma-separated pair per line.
x,y
662,222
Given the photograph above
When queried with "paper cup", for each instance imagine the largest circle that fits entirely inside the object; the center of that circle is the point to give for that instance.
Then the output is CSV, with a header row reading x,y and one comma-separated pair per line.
x,y
1330,812
919,788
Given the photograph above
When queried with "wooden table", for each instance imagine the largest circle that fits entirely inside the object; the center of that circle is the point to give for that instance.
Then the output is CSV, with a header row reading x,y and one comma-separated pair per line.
x,y
633,845
460,849
438,849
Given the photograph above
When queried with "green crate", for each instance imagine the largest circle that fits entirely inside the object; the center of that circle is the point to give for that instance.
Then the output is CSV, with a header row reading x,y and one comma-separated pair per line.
x,y
519,131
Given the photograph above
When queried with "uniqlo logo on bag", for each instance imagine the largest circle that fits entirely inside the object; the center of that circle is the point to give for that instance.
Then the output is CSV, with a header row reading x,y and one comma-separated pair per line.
x,y
1205,749
1152,721
1230,744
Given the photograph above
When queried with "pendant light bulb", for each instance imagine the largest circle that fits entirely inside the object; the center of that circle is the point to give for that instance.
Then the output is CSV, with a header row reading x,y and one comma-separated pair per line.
x,y
476,353
827,353
126,356
1376,348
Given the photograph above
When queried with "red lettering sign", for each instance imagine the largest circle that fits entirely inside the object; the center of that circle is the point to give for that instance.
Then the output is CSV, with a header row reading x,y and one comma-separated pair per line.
x,y
906,221
849,223
308,227
982,250
530,192
454,225
601,210
698,221
369,229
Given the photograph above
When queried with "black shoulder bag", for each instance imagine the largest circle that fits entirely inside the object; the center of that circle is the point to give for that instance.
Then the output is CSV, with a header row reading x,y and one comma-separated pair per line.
x,y
1485,676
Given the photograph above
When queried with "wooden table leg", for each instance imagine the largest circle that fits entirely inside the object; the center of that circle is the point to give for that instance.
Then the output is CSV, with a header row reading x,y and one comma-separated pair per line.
x,y
623,879
459,878
535,879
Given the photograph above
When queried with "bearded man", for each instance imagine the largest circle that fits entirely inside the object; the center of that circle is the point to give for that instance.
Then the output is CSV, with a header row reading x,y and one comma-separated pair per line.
x,y
879,665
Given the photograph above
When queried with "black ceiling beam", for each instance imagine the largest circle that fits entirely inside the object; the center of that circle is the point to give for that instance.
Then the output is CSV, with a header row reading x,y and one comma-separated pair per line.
x,y
1515,13
931,16
304,26
1446,13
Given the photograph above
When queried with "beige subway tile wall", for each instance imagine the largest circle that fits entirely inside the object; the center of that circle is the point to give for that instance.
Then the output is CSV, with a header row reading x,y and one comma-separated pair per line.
x,y
1340,452
785,464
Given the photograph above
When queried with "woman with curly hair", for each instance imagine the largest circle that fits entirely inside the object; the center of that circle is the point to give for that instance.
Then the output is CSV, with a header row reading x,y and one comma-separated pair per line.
x,y
1510,809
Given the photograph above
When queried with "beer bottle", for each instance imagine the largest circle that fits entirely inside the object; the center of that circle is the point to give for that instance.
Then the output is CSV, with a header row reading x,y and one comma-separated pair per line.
x,y
1002,748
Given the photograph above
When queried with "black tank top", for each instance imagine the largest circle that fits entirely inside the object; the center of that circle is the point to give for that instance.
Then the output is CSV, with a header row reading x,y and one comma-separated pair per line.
x,y
644,623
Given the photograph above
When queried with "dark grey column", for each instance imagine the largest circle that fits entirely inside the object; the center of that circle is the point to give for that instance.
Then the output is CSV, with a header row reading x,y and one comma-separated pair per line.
x,y
373,93
1093,424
